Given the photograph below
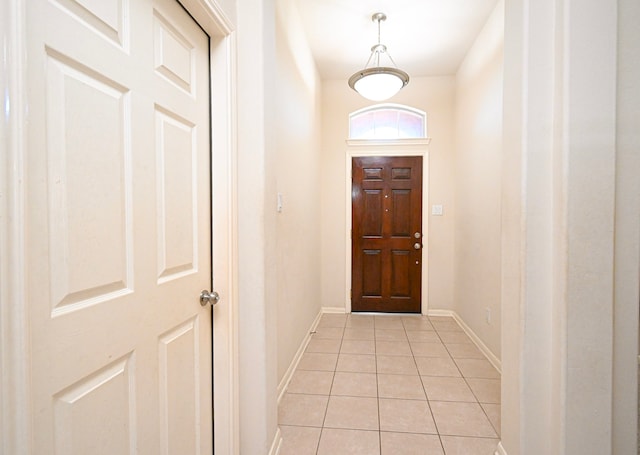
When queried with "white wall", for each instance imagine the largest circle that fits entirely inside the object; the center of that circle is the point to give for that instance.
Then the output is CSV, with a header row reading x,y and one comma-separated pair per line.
x,y
297,163
478,126
627,232
435,96
257,305
570,227
278,253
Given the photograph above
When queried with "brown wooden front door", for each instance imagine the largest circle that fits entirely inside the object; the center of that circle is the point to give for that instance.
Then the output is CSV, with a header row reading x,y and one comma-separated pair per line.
x,y
386,245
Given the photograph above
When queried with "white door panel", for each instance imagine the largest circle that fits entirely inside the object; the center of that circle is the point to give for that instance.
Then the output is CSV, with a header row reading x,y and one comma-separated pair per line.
x,y
119,228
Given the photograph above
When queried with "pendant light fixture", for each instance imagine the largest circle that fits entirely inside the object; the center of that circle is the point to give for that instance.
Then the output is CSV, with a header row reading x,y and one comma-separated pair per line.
x,y
378,82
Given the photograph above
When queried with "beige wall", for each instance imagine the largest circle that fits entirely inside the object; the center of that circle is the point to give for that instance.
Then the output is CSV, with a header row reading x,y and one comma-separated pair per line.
x,y
478,133
627,232
257,304
228,7
297,160
570,227
435,96
278,137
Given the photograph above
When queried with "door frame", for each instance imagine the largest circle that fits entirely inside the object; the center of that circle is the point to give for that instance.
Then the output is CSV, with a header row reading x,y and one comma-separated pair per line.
x,y
16,428
392,148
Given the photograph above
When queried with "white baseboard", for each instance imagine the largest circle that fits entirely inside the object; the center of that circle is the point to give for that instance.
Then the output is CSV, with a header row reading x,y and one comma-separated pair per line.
x,y
284,383
483,347
477,341
332,309
277,443
448,313
296,358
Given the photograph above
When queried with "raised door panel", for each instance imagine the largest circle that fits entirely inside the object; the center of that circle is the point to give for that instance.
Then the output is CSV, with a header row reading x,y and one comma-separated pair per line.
x,y
372,273
81,430
400,283
400,213
372,214
180,389
174,55
109,18
177,203
89,186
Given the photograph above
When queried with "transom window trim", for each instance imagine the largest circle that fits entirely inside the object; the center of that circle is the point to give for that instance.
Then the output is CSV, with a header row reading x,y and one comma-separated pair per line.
x,y
387,122
383,144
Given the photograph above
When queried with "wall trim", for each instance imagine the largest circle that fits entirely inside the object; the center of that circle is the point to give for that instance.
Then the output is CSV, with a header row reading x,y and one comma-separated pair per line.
x,y
493,359
212,18
394,149
333,309
225,245
277,443
500,450
16,426
409,142
284,383
210,15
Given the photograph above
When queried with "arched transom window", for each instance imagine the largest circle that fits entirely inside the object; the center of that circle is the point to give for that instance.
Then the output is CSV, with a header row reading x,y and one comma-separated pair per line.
x,y
388,121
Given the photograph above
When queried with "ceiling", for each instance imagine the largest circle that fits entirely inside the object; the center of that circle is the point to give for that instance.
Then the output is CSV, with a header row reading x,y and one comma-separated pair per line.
x,y
424,37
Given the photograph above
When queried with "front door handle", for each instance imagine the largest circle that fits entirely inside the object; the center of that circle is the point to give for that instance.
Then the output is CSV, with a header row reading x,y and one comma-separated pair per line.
x,y
207,297
417,246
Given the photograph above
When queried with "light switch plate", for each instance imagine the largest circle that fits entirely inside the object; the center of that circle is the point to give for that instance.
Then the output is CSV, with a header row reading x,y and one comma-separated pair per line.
x,y
437,210
279,205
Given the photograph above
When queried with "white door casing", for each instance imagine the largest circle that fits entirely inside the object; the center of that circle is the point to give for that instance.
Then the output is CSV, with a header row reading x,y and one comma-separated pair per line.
x,y
419,147
118,228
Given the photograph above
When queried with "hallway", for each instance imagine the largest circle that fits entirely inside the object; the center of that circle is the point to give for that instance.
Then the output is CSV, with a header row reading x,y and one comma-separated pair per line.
x,y
391,385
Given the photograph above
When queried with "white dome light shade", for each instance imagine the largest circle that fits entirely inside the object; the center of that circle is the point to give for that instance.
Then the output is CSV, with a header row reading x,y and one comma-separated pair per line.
x,y
379,83
376,82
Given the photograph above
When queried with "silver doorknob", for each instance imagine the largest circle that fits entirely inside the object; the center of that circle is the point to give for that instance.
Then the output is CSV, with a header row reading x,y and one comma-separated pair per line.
x,y
417,246
207,297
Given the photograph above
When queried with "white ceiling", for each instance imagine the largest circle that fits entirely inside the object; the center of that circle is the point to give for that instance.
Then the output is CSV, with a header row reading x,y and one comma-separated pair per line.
x,y
424,37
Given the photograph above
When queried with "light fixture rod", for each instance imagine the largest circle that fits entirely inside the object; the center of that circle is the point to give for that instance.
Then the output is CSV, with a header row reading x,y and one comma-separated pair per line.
x,y
379,17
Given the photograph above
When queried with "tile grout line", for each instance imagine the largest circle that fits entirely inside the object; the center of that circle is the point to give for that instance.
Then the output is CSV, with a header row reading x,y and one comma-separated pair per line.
x,y
461,375
465,378
326,410
375,357
435,424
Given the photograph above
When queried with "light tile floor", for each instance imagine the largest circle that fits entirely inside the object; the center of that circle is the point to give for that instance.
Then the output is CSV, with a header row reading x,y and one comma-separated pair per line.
x,y
391,385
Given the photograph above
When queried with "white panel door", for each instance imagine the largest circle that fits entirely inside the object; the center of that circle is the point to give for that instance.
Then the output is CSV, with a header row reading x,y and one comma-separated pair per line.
x,y
118,229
